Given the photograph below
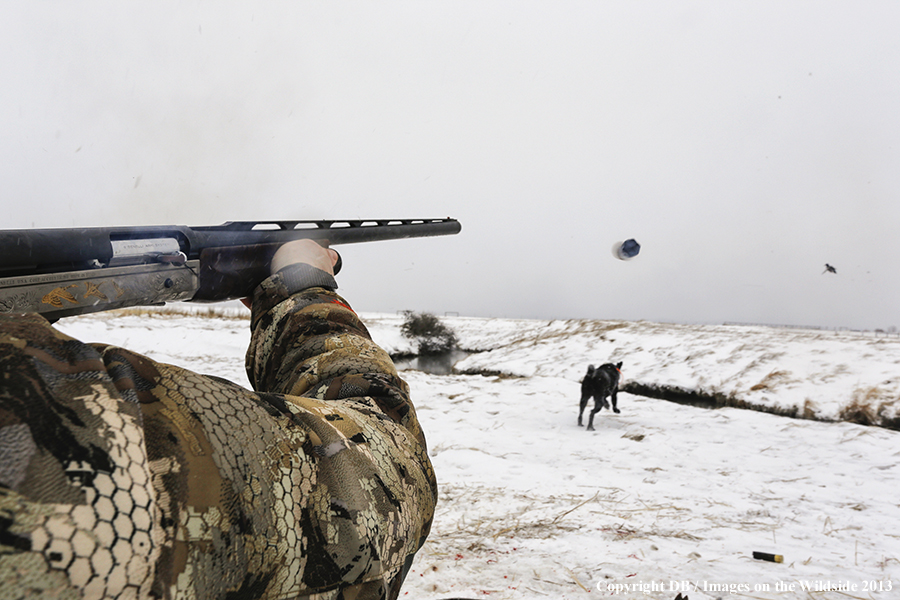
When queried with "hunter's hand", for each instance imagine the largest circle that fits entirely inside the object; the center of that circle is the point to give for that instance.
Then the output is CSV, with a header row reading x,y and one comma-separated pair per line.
x,y
304,251
301,251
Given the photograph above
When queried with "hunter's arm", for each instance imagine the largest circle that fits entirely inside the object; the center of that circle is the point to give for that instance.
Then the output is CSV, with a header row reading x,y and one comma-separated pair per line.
x,y
312,344
310,351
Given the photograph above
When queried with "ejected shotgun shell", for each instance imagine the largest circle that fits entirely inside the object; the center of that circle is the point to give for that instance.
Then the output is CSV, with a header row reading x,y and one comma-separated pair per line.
x,y
769,557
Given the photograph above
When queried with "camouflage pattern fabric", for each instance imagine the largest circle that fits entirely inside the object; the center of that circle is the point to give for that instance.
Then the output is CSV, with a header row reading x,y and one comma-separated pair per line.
x,y
123,478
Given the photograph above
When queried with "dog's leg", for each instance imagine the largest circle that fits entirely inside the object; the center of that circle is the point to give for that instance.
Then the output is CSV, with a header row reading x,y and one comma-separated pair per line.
x,y
604,404
584,400
590,426
615,401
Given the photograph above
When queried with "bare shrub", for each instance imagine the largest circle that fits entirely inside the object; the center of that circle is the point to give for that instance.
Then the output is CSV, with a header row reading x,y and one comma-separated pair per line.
x,y
431,335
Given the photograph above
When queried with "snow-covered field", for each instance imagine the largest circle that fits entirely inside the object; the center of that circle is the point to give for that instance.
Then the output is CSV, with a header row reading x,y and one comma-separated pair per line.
x,y
659,499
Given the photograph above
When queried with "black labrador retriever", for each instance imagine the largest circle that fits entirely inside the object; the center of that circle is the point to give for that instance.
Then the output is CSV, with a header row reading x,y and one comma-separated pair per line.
x,y
600,382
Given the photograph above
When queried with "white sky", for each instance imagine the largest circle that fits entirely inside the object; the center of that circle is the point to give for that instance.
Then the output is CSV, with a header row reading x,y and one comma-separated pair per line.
x,y
743,144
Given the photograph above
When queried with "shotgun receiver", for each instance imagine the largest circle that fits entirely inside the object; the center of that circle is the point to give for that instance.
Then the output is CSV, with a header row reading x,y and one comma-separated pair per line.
x,y
65,272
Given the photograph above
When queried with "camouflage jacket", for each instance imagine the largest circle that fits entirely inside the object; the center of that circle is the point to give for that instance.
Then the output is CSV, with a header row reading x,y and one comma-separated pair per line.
x,y
121,477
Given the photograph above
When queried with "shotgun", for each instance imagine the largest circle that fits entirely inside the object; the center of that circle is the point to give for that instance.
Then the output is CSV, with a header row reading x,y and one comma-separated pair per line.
x,y
64,272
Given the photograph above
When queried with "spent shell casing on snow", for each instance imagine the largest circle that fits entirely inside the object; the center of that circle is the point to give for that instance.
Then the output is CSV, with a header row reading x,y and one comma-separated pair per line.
x,y
769,557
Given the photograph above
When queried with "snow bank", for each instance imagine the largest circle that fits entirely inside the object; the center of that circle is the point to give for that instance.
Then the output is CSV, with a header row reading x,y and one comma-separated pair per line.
x,y
825,375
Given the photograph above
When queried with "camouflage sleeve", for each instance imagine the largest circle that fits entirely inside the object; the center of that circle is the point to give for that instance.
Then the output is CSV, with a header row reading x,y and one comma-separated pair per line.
x,y
313,344
313,347
121,477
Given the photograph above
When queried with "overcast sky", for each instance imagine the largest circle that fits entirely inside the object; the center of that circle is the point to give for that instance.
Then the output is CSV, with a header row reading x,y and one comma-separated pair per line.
x,y
743,144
